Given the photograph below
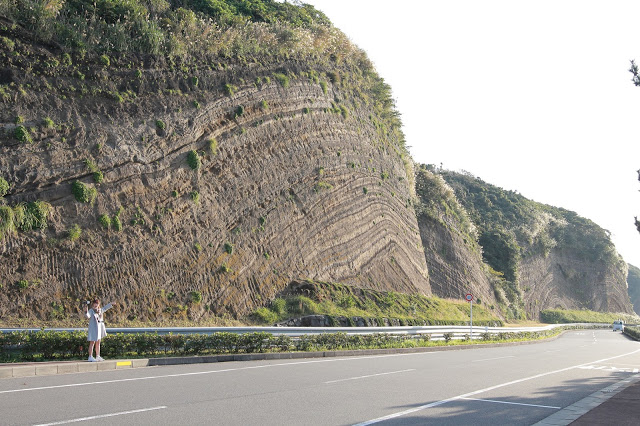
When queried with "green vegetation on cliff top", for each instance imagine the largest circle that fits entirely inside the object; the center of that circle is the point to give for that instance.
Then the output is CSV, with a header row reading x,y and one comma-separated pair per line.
x,y
511,226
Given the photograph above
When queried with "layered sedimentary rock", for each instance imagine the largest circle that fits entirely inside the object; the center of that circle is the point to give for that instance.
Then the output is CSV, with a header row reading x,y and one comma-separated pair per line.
x,y
547,257
295,187
451,249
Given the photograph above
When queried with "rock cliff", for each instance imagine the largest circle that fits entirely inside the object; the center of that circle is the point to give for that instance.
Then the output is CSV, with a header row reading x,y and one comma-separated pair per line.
x,y
191,159
633,280
189,188
546,257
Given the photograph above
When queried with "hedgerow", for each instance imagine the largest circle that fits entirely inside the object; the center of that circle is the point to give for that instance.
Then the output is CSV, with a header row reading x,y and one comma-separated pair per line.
x,y
53,345
633,332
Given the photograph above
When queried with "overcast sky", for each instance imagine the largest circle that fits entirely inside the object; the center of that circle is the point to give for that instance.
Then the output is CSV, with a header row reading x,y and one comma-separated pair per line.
x,y
531,96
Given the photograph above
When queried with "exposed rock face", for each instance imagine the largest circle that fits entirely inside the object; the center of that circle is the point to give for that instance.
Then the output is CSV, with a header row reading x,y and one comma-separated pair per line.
x,y
563,280
295,189
633,280
451,249
549,257
187,186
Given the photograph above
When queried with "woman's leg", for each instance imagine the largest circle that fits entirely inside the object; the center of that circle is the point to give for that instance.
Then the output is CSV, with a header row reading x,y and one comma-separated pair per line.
x,y
98,349
91,344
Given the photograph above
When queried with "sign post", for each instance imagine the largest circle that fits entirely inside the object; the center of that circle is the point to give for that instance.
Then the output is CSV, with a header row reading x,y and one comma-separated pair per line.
x,y
469,298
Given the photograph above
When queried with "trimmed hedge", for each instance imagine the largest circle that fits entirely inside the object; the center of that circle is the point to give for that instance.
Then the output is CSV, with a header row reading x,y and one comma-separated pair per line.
x,y
633,332
47,345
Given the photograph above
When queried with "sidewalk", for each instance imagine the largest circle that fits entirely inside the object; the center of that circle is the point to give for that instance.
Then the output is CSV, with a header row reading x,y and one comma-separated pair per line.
x,y
618,404
27,369
622,409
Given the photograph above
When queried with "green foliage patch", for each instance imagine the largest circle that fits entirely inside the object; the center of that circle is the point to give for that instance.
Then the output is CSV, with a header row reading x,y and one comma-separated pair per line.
x,y
193,160
333,299
74,232
105,221
562,316
4,187
32,215
22,134
634,332
83,192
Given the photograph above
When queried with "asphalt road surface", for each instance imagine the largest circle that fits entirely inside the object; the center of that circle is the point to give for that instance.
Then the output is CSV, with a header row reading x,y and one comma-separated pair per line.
x,y
515,385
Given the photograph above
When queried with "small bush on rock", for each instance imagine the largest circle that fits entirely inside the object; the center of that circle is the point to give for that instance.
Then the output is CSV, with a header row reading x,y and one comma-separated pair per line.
x,y
83,192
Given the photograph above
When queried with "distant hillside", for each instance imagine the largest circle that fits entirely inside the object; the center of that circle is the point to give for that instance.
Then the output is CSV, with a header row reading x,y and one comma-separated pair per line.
x,y
634,287
548,257
451,247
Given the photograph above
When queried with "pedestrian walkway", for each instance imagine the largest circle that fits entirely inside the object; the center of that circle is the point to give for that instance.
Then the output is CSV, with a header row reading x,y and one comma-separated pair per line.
x,y
27,369
621,409
618,404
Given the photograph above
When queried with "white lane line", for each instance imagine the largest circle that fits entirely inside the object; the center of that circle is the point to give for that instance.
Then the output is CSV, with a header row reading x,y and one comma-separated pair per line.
x,y
370,375
513,382
491,359
511,403
101,416
197,373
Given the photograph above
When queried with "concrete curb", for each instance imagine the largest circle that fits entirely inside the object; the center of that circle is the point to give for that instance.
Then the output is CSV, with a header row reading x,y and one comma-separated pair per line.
x,y
574,411
8,371
66,367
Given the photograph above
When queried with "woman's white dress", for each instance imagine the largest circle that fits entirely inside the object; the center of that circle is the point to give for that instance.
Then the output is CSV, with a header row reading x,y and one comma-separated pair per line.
x,y
97,330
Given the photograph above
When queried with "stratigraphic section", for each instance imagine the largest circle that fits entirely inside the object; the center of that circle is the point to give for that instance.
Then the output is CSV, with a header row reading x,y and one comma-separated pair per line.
x,y
286,186
449,238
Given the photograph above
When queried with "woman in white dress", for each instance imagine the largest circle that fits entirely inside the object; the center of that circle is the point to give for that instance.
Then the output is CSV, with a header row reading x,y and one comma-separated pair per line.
x,y
97,330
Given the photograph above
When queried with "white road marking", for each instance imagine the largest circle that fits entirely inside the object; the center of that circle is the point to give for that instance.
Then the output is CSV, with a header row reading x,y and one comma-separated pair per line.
x,y
197,373
511,403
101,416
466,395
370,375
610,368
491,359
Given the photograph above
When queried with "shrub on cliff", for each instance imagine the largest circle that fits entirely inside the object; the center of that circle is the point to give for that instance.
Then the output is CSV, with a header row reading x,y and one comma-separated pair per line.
x,y
83,192
34,215
22,134
4,187
193,160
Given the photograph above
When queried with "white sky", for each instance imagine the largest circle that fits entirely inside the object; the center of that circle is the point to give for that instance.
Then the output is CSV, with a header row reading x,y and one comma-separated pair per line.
x,y
531,96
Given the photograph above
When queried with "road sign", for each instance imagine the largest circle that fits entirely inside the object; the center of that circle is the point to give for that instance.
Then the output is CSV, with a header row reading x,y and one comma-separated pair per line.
x,y
469,298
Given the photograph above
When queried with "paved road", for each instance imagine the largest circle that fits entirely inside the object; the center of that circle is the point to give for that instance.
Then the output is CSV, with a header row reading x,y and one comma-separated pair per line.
x,y
505,385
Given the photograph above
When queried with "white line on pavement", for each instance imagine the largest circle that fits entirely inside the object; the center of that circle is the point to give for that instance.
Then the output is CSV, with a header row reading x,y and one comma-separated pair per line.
x,y
513,382
101,416
134,379
370,375
511,403
491,359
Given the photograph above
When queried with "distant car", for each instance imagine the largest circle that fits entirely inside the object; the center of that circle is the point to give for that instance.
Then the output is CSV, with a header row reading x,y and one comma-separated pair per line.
x,y
618,325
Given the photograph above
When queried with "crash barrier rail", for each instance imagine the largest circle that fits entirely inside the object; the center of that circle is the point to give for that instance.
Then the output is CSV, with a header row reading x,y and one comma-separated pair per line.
x,y
70,343
436,332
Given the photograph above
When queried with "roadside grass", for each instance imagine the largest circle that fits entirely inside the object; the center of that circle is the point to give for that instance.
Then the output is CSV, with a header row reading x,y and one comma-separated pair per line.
x,y
562,316
339,300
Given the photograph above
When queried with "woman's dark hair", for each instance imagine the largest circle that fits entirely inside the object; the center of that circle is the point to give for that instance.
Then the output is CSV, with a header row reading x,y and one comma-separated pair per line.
x,y
96,300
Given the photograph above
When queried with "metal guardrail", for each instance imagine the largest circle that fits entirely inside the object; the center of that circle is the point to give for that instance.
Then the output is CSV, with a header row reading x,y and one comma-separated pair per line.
x,y
436,332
